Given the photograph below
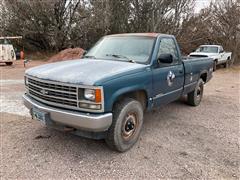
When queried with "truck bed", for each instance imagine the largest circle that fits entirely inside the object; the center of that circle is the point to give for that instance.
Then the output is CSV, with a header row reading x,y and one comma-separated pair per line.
x,y
194,67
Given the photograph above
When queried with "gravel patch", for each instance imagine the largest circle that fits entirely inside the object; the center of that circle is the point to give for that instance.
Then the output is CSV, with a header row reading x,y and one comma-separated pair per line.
x,y
11,97
11,81
177,141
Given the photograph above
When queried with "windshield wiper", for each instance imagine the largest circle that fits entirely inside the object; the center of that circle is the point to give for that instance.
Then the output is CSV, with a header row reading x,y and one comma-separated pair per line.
x,y
121,56
93,57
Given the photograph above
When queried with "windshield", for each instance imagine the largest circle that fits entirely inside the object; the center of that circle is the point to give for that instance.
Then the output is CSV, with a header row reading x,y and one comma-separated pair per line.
x,y
4,41
207,49
131,49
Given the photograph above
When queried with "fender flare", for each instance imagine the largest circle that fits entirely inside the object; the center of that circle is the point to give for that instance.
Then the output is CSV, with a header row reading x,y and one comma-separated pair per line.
x,y
126,90
203,72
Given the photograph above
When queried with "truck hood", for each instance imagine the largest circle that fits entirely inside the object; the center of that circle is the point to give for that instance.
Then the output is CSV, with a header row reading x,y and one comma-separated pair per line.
x,y
84,71
203,54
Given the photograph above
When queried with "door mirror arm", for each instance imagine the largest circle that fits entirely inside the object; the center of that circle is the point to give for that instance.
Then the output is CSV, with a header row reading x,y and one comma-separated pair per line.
x,y
84,53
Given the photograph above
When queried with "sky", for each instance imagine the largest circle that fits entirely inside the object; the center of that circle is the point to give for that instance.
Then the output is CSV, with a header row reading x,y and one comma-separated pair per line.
x,y
200,4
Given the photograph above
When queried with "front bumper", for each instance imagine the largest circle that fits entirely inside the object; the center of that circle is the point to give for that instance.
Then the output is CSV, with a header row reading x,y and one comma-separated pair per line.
x,y
78,120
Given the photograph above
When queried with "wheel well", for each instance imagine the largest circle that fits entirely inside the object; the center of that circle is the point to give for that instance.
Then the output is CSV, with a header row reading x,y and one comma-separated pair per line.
x,y
139,95
204,77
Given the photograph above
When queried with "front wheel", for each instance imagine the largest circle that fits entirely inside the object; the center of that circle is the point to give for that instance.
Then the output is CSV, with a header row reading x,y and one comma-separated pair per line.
x,y
195,97
215,65
126,126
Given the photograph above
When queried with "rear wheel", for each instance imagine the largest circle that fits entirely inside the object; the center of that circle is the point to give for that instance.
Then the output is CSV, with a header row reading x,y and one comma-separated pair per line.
x,y
9,63
227,64
195,97
126,126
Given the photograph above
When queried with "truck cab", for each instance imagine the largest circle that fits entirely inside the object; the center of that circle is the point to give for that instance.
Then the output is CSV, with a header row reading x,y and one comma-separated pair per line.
x,y
104,95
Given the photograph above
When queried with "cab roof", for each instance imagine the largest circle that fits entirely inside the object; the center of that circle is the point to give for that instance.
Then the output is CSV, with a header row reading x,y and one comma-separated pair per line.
x,y
210,45
140,34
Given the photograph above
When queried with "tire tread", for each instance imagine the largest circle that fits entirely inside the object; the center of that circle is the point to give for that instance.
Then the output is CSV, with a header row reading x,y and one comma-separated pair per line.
x,y
111,131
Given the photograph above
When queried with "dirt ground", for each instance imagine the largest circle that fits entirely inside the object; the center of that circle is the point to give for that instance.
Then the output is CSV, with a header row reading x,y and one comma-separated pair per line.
x,y
177,141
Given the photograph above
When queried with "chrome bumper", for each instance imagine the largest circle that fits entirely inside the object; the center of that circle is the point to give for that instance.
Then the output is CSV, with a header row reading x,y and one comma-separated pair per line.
x,y
78,120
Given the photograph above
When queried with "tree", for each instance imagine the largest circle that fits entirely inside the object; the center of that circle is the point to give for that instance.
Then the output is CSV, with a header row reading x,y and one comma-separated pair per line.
x,y
44,24
217,24
55,25
225,24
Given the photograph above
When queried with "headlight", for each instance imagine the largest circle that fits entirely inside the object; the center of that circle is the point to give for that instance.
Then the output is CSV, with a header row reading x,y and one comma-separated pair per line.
x,y
93,95
89,94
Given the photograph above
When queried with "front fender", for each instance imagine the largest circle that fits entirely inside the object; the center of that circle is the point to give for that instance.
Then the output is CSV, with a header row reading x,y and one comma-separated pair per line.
x,y
141,81
126,90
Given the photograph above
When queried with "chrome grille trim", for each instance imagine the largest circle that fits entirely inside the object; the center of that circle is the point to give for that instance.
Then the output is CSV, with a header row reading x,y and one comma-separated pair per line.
x,y
66,97
53,86
52,89
52,103
49,96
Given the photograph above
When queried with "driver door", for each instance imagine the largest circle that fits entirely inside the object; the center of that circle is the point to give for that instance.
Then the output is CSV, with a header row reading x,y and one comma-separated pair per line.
x,y
165,90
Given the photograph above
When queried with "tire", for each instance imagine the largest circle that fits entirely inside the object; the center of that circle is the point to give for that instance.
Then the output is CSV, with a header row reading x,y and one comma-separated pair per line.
x,y
126,126
226,65
9,63
195,97
214,65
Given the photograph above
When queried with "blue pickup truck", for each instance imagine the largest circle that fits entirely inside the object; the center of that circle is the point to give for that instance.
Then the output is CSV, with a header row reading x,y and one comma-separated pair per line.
x,y
104,94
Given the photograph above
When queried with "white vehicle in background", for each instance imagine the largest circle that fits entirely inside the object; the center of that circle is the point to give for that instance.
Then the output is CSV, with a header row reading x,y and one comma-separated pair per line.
x,y
7,52
213,51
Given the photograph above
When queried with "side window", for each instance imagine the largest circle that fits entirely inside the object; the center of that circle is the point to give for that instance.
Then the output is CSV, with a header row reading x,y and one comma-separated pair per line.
x,y
168,46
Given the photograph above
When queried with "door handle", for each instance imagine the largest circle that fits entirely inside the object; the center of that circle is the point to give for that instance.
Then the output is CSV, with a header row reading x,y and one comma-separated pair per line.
x,y
180,71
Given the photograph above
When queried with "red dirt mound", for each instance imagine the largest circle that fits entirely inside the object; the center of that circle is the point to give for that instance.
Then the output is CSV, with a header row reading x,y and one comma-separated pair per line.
x,y
67,54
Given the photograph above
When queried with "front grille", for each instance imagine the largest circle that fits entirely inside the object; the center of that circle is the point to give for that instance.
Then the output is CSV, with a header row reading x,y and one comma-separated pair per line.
x,y
52,86
56,94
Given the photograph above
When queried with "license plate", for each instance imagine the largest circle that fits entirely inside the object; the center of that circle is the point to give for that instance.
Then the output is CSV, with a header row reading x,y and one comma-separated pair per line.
x,y
38,115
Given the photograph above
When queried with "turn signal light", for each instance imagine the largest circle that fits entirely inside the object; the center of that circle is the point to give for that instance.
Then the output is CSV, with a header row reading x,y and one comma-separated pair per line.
x,y
98,96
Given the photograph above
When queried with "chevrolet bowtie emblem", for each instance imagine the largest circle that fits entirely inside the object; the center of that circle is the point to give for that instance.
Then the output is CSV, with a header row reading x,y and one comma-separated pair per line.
x,y
44,92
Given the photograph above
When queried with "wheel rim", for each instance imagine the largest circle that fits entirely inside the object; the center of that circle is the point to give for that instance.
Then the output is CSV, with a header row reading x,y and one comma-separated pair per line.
x,y
130,126
199,92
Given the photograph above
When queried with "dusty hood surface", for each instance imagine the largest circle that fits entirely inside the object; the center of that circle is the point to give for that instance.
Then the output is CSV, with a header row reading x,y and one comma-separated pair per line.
x,y
83,71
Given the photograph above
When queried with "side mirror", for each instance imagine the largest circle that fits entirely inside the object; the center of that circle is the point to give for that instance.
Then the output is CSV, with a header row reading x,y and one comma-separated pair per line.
x,y
222,51
165,58
84,53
